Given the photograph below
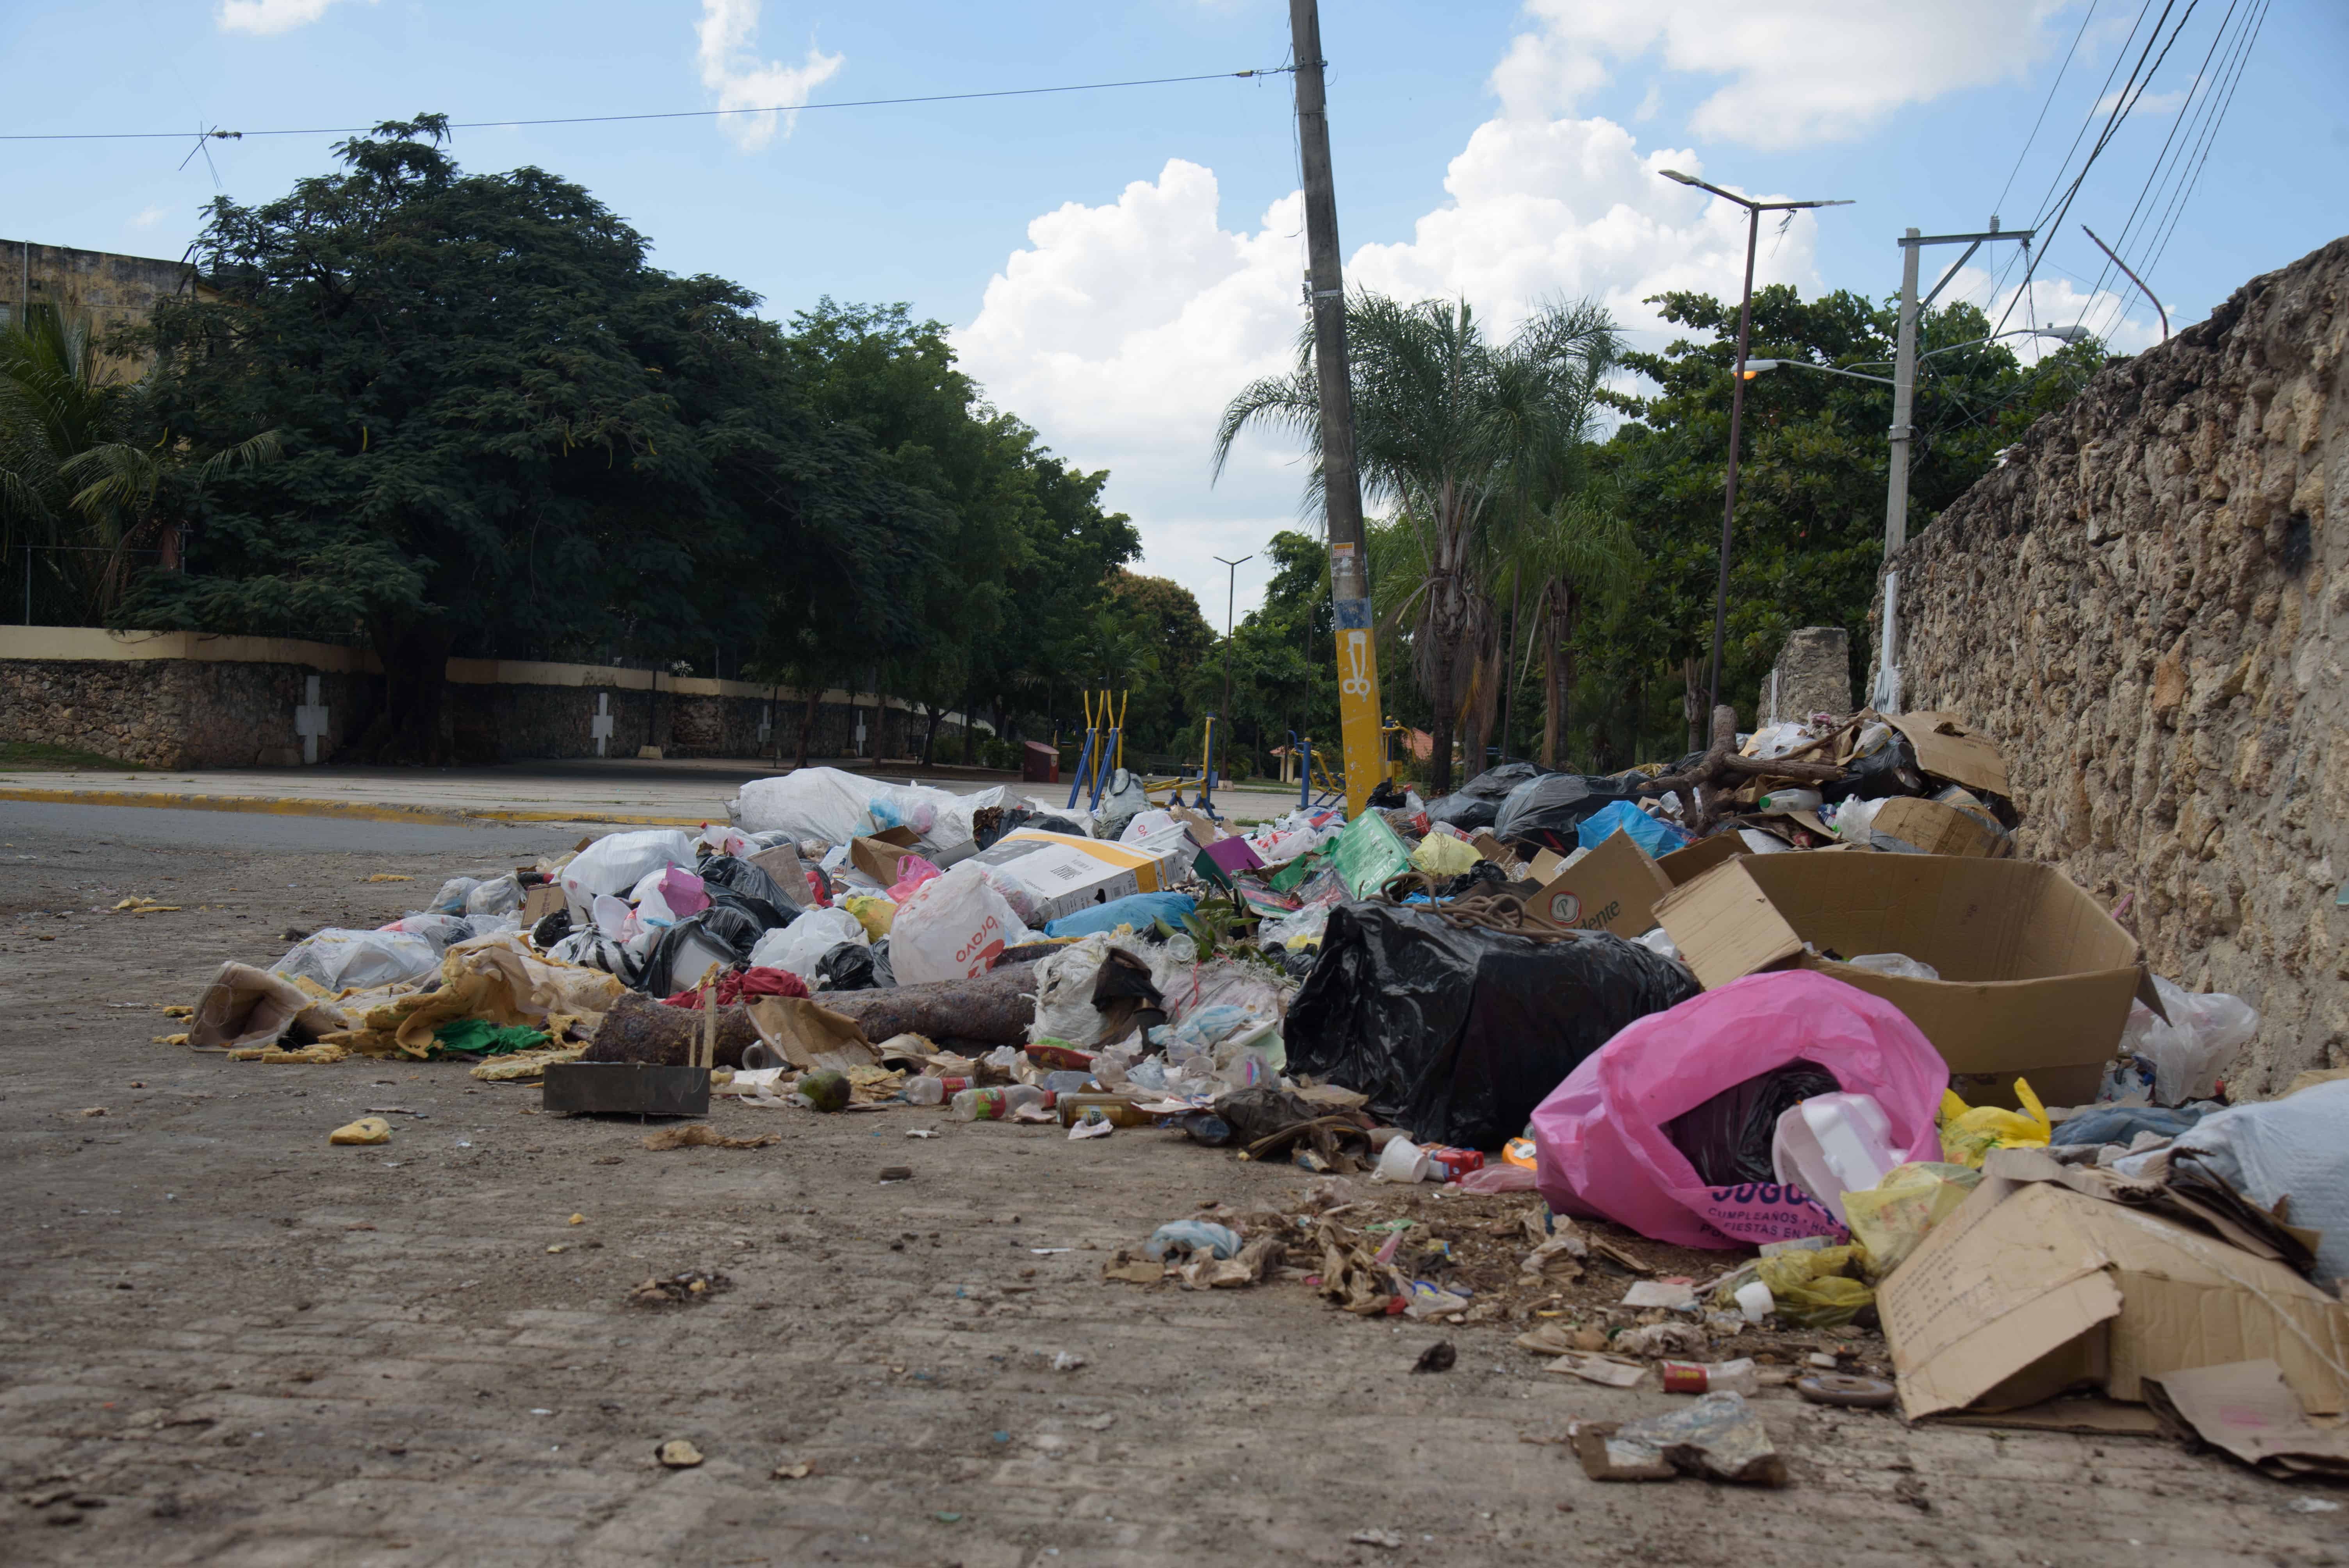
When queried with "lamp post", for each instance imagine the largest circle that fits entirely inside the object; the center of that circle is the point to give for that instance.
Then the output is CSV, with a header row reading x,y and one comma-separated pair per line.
x,y
1753,211
1231,596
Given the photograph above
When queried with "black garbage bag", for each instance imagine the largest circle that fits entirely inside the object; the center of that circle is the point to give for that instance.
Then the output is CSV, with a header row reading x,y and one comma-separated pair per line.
x,y
1728,1136
1475,803
551,930
1889,769
688,948
769,915
1483,874
741,876
1456,1035
1545,811
847,968
1387,795
883,976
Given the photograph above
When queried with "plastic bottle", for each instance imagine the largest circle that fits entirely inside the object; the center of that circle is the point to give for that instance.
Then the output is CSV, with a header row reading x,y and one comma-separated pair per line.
x,y
1737,1376
997,1104
1791,800
927,1091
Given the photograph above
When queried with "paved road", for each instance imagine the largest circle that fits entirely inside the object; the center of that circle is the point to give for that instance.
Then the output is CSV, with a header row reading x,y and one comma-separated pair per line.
x,y
496,843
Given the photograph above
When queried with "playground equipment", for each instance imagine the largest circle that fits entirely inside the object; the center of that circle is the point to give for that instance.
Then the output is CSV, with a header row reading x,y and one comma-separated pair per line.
x,y
1330,787
1104,748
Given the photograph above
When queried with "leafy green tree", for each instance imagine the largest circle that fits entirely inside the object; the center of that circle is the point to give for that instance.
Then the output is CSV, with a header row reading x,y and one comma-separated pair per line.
x,y
1458,434
87,483
504,431
1166,615
1811,486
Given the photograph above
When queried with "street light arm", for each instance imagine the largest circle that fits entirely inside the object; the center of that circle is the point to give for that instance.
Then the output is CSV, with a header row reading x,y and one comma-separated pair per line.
x,y
1755,366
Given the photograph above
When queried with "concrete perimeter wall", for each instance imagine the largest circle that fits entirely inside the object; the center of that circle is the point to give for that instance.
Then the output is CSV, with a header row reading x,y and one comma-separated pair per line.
x,y
181,700
2149,607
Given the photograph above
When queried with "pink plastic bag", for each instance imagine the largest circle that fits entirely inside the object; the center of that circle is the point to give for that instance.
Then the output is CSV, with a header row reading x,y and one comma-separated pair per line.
x,y
1603,1149
684,892
912,873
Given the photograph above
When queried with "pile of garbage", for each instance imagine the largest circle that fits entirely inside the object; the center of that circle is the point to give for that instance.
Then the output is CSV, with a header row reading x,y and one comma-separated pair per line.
x,y
1790,1003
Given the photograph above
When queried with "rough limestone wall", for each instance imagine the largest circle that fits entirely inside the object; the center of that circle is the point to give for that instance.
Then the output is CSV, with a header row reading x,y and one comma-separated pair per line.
x,y
2148,607
178,713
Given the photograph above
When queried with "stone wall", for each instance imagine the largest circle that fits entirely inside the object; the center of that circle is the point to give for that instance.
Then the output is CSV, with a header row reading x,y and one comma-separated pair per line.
x,y
1813,675
108,290
2147,606
179,700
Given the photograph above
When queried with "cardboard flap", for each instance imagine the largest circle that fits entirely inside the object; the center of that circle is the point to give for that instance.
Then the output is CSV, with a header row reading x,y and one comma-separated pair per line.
x,y
1725,926
1613,888
1686,865
1946,749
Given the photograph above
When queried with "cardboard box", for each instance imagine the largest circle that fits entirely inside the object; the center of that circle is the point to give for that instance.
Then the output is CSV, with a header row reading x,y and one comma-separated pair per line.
x,y
1929,828
2032,1288
1545,866
1685,865
2036,979
538,902
1613,888
1202,829
1492,849
877,855
1066,873
782,863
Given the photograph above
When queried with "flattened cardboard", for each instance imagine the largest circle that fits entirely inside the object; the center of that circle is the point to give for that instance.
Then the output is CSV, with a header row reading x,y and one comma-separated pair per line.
x,y
1492,849
877,855
1929,828
2089,1416
1202,827
2036,979
2032,1288
1613,888
1946,749
1066,872
1688,863
2247,1408
538,902
1545,865
782,863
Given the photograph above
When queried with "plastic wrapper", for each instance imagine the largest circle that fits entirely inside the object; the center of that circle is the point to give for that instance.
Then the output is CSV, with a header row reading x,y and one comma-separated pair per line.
x,y
800,946
1478,803
1820,1289
1653,834
953,928
1896,964
1368,855
2295,1148
450,899
1604,1148
1142,911
1456,1034
498,896
1548,811
344,960
618,861
1442,855
2193,1047
873,912
1970,1134
439,930
1890,1217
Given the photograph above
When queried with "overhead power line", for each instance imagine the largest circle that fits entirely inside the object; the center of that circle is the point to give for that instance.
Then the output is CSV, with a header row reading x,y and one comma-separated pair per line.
x,y
672,114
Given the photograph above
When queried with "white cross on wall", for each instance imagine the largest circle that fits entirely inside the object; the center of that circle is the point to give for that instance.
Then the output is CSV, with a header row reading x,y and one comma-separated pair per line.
x,y
310,719
766,724
600,726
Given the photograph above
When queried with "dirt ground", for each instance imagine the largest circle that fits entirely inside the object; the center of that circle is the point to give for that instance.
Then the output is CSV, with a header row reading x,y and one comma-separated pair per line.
x,y
223,1341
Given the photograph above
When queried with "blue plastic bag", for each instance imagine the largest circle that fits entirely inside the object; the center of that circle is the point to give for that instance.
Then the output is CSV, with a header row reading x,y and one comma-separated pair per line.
x,y
1140,911
1652,834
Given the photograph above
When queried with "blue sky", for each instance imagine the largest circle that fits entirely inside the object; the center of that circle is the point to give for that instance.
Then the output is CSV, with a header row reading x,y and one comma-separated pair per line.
x,y
1116,263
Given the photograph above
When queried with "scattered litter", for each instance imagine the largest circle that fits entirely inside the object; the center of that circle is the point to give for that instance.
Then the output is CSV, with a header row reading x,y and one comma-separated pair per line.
x,y
798,1471
1440,1356
1717,1437
366,1129
677,1289
678,1454
701,1135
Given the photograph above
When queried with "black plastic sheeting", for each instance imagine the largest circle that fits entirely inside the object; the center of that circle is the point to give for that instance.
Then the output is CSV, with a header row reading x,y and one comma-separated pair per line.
x,y
1728,1138
1545,811
1456,1035
741,876
847,968
1475,803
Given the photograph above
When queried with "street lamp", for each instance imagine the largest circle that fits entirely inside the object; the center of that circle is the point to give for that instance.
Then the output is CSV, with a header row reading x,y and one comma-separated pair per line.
x,y
1231,596
1755,367
1753,211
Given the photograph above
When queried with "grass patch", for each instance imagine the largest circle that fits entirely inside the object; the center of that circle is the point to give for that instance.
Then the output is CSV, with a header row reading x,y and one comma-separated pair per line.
x,y
43,755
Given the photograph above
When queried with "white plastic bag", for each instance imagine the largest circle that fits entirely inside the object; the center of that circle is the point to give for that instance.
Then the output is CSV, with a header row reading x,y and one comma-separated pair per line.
x,y
810,803
953,928
2190,1052
2295,1148
342,960
1149,824
500,895
802,944
1064,992
617,862
1897,964
956,812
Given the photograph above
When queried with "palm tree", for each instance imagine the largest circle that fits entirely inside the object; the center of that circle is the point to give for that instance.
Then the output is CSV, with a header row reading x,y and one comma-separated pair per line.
x,y
1461,437
75,480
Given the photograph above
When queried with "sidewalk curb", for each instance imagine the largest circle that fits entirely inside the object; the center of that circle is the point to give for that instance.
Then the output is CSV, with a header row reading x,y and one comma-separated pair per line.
x,y
300,806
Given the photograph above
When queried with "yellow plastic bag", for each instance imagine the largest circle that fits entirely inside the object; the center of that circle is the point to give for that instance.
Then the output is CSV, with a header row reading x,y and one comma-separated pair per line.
x,y
1890,1217
874,913
1813,1289
1968,1134
1442,855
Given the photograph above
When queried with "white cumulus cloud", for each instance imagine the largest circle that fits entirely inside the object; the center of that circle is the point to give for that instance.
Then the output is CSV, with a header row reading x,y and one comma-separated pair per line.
x,y
730,68
271,15
1121,328
1795,71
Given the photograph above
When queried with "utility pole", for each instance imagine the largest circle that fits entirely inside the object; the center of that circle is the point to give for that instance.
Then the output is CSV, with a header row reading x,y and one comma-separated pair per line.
x,y
1358,710
1886,696
1231,596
